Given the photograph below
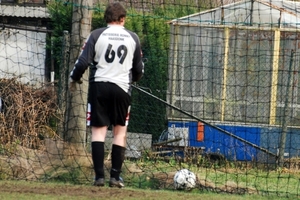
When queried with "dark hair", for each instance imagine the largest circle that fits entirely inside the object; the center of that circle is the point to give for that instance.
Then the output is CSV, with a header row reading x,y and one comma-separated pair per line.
x,y
114,12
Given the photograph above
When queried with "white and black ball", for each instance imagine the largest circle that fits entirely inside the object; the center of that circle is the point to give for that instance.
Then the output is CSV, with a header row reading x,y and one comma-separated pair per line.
x,y
184,179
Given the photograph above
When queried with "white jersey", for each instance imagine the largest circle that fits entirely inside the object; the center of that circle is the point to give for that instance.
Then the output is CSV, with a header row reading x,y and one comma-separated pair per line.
x,y
114,55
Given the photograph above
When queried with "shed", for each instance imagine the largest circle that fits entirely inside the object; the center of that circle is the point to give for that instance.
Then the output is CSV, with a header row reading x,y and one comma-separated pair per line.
x,y
23,42
237,63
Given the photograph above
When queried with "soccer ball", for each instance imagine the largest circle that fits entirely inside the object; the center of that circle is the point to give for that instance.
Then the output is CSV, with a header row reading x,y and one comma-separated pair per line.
x,y
184,179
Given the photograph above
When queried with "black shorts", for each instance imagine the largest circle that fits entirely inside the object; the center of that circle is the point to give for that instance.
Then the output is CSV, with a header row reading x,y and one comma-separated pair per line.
x,y
109,105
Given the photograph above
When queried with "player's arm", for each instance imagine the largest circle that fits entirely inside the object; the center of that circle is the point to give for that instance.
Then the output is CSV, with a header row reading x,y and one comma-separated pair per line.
x,y
138,65
86,57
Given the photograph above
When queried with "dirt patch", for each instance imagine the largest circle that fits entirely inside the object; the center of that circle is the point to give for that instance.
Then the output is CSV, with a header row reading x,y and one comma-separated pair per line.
x,y
85,192
68,190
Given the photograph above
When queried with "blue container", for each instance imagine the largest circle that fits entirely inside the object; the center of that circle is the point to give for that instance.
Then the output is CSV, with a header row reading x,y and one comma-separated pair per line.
x,y
232,148
215,141
271,136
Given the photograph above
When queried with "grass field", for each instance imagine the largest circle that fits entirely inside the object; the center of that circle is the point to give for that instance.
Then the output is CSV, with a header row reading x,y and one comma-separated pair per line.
x,y
11,190
146,178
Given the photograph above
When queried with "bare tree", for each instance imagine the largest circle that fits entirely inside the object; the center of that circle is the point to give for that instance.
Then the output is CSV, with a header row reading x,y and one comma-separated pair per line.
x,y
81,27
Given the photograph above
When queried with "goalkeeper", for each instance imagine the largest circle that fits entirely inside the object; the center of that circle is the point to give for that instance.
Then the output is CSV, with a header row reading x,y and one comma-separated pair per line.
x,y
115,59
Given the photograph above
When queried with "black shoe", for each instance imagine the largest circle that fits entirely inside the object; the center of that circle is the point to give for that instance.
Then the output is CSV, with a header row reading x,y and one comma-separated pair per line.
x,y
99,182
114,183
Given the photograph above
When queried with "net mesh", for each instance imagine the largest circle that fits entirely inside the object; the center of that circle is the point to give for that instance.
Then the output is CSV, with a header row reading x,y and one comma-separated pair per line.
x,y
219,95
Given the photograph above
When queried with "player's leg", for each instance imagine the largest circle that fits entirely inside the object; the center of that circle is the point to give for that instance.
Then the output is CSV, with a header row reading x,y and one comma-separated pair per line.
x,y
119,135
98,139
118,155
99,122
119,118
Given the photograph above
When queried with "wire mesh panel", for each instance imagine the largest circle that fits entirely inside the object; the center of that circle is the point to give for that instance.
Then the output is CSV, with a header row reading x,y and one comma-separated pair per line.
x,y
249,76
219,94
240,70
199,68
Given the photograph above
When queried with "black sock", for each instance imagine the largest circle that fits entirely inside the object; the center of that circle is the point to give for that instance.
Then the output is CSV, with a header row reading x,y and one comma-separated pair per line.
x,y
117,159
98,158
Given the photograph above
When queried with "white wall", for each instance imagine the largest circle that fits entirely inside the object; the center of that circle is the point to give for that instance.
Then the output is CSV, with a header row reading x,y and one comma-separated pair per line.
x,y
22,54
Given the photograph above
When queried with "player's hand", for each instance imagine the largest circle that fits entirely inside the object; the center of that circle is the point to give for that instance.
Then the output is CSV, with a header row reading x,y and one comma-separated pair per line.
x,y
72,84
